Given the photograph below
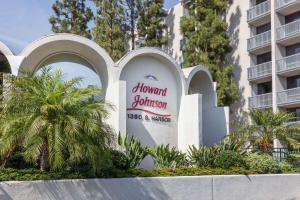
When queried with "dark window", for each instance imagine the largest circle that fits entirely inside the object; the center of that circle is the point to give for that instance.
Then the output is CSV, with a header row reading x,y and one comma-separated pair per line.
x,y
182,43
263,28
263,88
296,112
293,82
293,49
263,58
292,17
260,1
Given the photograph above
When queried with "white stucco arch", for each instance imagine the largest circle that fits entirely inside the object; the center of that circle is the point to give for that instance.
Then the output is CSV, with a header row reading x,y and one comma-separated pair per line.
x,y
5,50
199,81
40,50
158,54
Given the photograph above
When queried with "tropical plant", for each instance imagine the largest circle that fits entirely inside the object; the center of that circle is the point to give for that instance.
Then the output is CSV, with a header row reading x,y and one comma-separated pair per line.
x,y
202,156
229,144
165,156
266,126
54,121
132,149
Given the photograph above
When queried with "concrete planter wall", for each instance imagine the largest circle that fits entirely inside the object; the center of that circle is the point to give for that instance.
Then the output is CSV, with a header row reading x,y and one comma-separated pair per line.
x,y
253,187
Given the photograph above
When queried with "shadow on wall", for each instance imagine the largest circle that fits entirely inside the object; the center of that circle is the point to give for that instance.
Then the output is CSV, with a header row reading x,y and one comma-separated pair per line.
x,y
90,189
234,32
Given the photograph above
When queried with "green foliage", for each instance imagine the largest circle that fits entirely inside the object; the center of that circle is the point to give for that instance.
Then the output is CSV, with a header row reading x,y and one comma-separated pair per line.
x,y
202,156
227,89
133,9
266,126
152,25
119,160
4,65
228,159
262,163
71,16
166,157
291,163
205,30
231,145
132,150
108,32
54,122
34,174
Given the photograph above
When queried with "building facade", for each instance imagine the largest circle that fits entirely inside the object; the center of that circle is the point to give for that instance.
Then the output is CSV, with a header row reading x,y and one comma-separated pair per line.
x,y
265,36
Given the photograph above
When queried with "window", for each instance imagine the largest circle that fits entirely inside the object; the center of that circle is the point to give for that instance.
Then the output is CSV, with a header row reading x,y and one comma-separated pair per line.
x,y
293,82
292,17
264,88
263,28
293,49
263,58
259,1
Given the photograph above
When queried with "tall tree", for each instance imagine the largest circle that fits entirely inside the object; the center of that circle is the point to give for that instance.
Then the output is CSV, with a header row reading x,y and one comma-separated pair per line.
x,y
109,32
54,121
151,23
71,16
207,43
132,8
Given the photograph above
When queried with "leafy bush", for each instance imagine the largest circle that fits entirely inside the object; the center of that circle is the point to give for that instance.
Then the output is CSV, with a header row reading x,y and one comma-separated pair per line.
x,y
202,156
119,160
286,167
229,144
132,150
262,163
166,157
34,174
227,159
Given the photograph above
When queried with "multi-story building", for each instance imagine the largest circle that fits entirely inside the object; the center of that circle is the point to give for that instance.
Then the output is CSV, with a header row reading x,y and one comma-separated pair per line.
x,y
265,36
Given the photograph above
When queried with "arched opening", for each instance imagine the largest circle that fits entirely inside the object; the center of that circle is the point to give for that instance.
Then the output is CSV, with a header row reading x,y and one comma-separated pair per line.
x,y
78,54
201,83
4,64
73,66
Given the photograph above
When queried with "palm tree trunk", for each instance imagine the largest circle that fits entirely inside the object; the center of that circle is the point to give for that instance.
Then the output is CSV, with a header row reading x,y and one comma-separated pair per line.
x,y
44,165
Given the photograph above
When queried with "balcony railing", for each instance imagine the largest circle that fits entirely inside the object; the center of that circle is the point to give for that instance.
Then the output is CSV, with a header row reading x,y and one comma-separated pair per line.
x,y
288,30
289,96
283,3
261,101
259,40
259,10
260,71
288,63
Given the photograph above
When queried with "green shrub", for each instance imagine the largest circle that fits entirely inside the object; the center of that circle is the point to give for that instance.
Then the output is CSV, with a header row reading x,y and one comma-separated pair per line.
x,y
119,160
286,167
34,174
227,159
133,150
262,163
202,156
166,157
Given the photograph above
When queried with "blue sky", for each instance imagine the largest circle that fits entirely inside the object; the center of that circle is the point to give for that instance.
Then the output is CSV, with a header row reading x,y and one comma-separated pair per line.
x,y
23,21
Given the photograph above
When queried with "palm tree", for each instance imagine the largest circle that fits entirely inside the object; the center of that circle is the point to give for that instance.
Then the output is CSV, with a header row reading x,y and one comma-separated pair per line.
x,y
54,121
267,126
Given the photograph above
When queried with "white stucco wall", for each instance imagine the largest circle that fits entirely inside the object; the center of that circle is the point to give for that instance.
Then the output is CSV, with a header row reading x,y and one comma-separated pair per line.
x,y
252,187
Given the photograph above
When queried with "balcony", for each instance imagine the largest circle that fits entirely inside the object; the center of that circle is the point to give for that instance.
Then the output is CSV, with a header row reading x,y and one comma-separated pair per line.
x,y
260,43
261,101
289,34
259,14
289,97
260,72
286,7
288,66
